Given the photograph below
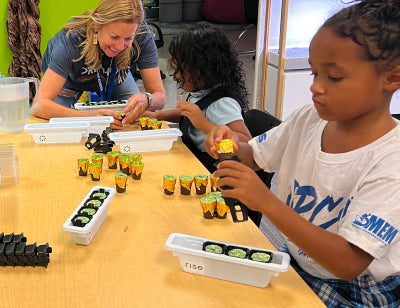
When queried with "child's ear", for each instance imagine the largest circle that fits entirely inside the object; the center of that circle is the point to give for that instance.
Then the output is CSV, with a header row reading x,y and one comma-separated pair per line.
x,y
392,82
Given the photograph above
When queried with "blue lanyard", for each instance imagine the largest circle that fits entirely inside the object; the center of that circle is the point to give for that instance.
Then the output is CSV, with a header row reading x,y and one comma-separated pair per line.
x,y
110,83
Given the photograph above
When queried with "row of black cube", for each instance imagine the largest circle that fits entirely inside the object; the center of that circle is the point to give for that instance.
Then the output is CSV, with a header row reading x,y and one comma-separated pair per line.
x,y
15,252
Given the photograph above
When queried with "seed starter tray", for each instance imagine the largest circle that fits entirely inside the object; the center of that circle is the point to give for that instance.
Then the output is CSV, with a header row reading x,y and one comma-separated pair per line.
x,y
84,233
58,132
118,105
195,260
146,140
97,124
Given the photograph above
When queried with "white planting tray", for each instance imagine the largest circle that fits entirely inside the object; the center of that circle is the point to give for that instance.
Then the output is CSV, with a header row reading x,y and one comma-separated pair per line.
x,y
97,124
112,105
84,235
145,140
58,132
196,261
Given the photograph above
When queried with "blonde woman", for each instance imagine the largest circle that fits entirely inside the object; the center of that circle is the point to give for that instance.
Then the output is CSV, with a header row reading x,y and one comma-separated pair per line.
x,y
94,52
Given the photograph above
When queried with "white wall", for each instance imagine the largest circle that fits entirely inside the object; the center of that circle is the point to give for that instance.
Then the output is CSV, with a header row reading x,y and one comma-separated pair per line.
x,y
304,19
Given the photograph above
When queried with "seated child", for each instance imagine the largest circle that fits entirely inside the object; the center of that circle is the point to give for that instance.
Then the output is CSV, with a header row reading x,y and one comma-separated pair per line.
x,y
206,66
338,161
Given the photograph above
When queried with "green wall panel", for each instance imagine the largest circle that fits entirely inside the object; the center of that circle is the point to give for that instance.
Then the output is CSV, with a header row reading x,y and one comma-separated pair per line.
x,y
5,53
53,15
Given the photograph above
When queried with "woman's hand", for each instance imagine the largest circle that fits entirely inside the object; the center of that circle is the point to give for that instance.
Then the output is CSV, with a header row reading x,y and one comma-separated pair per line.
x,y
137,104
117,124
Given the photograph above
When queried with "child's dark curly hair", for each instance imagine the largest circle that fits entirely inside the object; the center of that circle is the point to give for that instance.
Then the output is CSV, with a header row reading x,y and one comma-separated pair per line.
x,y
206,54
375,26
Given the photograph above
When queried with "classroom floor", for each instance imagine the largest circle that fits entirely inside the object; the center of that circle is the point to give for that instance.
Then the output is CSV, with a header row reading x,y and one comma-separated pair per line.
x,y
247,42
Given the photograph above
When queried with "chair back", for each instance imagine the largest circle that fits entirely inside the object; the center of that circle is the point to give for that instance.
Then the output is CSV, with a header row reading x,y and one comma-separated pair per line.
x,y
258,121
251,11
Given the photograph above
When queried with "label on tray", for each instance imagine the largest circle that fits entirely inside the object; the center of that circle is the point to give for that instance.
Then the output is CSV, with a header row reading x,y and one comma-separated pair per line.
x,y
194,268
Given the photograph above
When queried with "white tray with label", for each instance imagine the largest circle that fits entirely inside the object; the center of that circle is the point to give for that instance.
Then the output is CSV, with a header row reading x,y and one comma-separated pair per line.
x,y
58,132
84,235
145,140
111,105
195,260
97,124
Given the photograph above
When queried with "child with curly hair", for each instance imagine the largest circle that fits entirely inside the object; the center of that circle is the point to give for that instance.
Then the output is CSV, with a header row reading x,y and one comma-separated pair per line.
x,y
338,161
206,66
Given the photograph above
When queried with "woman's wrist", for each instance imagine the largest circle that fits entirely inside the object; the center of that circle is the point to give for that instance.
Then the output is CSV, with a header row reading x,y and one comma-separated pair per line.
x,y
142,98
149,101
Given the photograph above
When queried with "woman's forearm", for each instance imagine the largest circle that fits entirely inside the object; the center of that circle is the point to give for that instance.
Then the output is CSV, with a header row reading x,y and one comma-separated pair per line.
x,y
47,109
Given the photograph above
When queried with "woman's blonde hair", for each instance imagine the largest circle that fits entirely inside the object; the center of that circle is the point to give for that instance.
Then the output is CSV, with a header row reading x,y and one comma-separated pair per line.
x,y
86,25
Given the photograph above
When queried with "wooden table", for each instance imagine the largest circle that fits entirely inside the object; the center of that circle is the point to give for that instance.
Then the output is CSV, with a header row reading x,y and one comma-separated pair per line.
x,y
126,264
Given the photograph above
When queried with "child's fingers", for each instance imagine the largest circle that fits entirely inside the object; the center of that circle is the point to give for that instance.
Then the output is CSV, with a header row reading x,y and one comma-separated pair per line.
x,y
209,144
212,151
233,166
245,189
108,112
233,187
184,105
214,136
149,114
231,170
222,132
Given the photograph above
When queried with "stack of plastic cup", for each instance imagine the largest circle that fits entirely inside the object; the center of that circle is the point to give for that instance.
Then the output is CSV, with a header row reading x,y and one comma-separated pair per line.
x,y
9,164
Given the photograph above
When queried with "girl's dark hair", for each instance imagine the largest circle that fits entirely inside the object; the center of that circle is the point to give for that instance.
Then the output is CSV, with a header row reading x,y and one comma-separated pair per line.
x,y
206,54
375,26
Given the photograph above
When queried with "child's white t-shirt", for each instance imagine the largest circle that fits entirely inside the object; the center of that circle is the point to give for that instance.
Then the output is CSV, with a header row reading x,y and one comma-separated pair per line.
x,y
354,194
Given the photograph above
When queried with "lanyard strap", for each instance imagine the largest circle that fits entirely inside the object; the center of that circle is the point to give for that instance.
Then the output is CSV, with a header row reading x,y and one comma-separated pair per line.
x,y
110,83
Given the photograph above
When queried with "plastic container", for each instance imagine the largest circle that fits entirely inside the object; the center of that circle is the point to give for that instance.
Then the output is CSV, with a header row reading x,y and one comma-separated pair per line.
x,y
170,10
112,105
97,124
14,102
196,261
9,164
191,10
9,170
84,235
58,132
146,140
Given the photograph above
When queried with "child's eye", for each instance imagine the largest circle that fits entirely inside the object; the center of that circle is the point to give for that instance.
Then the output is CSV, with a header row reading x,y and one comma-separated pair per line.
x,y
336,79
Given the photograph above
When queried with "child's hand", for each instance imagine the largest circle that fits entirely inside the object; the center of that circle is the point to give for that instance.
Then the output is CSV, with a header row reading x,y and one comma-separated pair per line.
x,y
215,135
149,114
192,111
246,185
